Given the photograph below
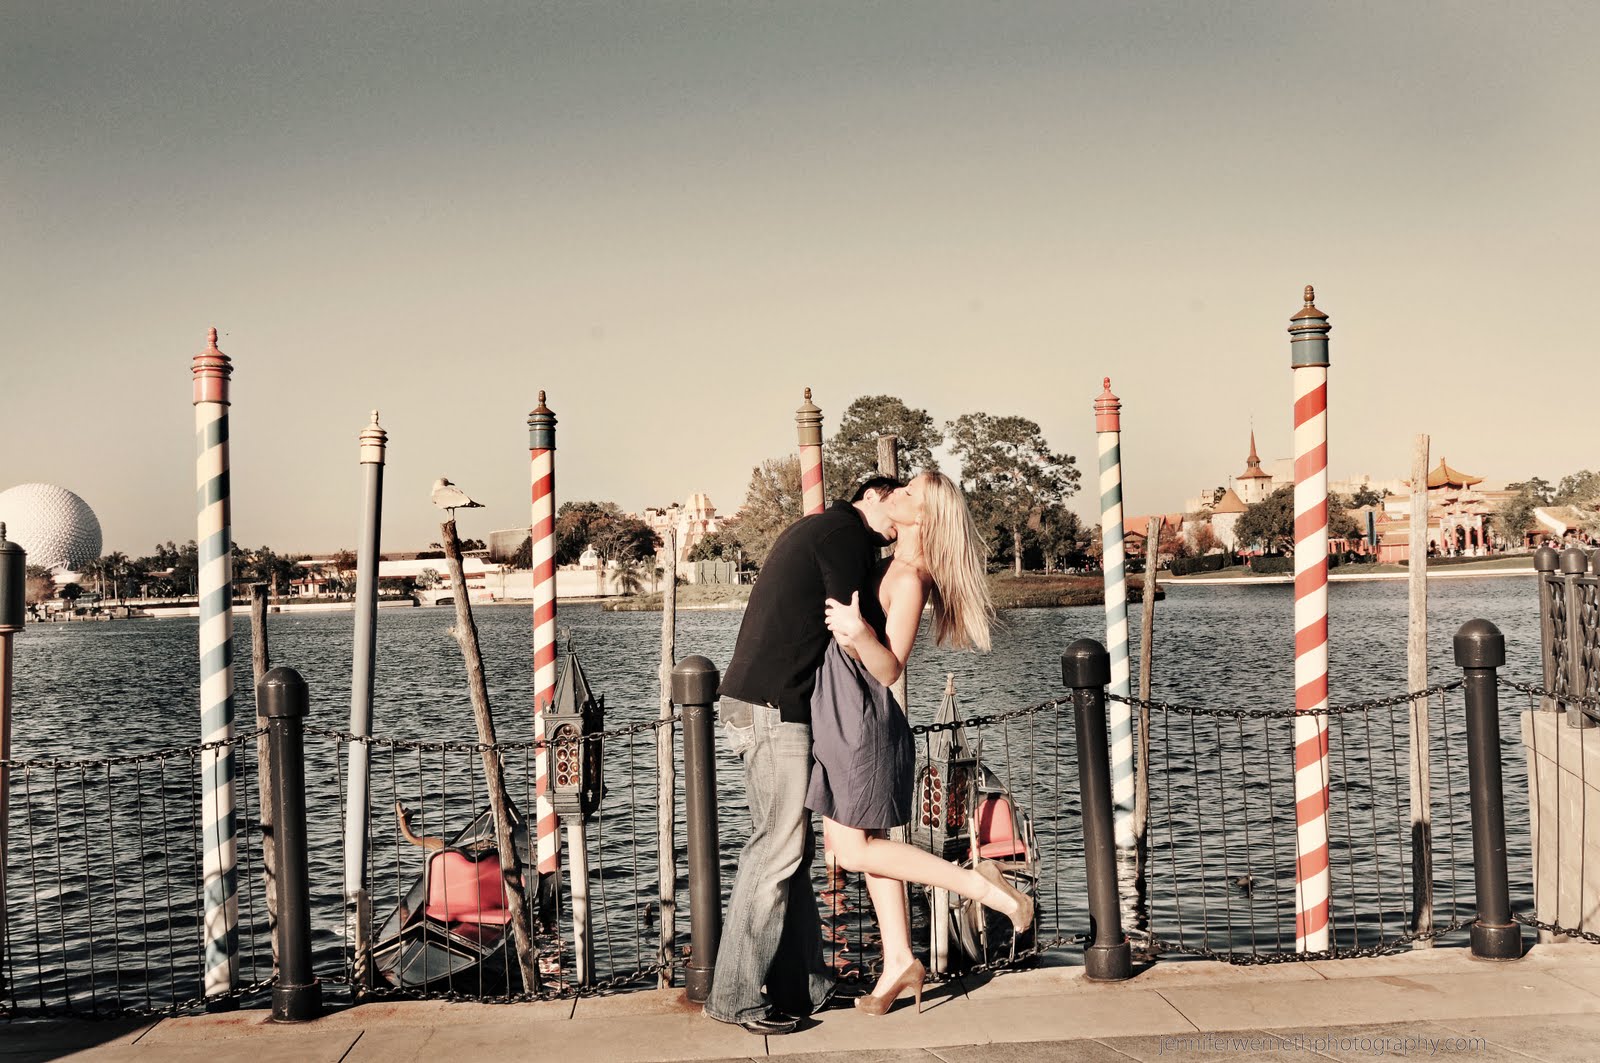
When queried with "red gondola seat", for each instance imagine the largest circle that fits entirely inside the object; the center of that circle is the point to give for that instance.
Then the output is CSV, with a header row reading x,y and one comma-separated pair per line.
x,y
463,890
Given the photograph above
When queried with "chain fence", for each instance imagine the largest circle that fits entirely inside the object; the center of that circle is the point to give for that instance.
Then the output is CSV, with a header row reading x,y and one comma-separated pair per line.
x,y
103,905
1222,841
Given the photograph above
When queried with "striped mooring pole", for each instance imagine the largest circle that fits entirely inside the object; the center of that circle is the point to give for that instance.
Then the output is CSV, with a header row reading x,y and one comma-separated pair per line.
x,y
373,444
1308,348
1108,432
214,534
808,421
542,451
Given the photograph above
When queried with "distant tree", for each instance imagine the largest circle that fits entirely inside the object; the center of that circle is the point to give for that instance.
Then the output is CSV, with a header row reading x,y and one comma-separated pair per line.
x,y
1062,539
614,535
852,452
1341,522
1171,543
428,578
38,585
523,557
1009,472
1269,523
719,545
1513,518
1578,488
70,593
1203,537
1538,489
1366,496
771,504
630,575
117,572
472,544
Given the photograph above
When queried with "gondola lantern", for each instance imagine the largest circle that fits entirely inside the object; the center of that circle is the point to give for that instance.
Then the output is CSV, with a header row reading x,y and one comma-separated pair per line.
x,y
574,753
946,783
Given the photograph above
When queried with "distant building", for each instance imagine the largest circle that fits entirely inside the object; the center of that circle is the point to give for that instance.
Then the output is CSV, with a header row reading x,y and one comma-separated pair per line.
x,y
1255,483
692,521
1459,515
1224,515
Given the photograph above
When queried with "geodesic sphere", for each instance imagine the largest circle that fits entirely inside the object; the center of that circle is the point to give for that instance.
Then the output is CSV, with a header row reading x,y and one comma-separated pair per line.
x,y
55,526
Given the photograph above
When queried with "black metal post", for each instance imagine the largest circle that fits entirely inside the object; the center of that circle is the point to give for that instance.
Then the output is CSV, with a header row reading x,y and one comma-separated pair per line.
x,y
1574,566
283,700
1545,562
694,686
1086,668
1480,650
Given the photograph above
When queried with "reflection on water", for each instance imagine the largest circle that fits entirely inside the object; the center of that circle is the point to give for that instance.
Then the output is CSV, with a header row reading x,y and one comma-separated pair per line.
x,y
1221,790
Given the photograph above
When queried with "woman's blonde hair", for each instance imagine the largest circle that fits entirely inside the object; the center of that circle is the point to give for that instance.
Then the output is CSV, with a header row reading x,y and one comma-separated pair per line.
x,y
956,556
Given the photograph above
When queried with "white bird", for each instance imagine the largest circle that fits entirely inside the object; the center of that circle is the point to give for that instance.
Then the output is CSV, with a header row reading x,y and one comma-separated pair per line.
x,y
447,496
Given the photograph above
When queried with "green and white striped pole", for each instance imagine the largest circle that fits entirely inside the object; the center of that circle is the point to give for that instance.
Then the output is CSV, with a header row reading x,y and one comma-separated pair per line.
x,y
214,534
1108,431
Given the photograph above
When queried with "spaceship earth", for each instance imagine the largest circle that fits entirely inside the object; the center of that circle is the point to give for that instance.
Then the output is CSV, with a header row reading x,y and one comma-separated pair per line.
x,y
55,526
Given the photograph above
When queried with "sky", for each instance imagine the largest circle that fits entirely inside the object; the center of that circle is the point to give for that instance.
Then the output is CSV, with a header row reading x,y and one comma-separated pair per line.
x,y
673,217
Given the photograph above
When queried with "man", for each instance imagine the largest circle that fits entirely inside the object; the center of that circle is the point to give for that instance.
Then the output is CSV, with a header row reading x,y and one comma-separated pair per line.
x,y
769,963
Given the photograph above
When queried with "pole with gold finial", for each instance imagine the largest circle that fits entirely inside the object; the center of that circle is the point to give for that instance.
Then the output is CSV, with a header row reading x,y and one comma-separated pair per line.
x,y
542,452
808,422
214,536
1108,434
1308,346
373,449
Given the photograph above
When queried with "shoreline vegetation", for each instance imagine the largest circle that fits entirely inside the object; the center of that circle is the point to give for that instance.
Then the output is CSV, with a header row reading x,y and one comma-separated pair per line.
x,y
1029,591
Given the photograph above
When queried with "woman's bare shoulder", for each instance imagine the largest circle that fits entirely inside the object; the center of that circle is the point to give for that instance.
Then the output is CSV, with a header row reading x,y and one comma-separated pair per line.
x,y
899,580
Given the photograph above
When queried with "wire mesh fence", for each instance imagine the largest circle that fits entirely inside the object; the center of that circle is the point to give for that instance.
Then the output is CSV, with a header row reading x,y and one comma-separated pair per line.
x,y
1223,842
103,904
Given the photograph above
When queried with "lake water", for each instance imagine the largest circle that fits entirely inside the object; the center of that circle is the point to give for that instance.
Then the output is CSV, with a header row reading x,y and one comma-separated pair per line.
x,y
111,849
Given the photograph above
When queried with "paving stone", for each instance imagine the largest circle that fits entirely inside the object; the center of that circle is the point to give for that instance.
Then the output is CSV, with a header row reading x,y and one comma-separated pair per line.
x,y
1086,1051
1553,1038
1389,999
28,1041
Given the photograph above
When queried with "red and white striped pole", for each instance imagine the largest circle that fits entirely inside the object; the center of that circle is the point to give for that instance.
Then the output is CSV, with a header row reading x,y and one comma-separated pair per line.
x,y
808,421
542,451
1308,346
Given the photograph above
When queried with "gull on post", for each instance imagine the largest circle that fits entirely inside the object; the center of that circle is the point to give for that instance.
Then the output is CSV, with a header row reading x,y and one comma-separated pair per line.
x,y
447,496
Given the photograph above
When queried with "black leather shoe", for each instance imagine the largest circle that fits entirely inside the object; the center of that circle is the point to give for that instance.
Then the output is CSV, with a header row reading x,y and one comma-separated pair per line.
x,y
771,1024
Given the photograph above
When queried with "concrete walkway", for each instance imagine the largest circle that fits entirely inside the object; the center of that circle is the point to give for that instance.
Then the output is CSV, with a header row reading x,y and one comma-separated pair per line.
x,y
1432,1005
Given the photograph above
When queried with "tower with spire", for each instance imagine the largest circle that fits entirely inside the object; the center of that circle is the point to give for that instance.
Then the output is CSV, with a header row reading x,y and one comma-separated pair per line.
x,y
1255,483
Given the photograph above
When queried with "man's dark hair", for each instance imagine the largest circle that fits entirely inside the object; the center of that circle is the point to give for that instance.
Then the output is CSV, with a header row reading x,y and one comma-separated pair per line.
x,y
876,483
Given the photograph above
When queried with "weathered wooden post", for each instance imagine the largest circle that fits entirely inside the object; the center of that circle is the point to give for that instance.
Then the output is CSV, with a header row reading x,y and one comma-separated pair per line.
x,y
808,423
1147,652
13,615
1417,679
541,453
1480,651
218,818
1308,346
1108,433
373,441
667,772
261,661
1086,669
466,633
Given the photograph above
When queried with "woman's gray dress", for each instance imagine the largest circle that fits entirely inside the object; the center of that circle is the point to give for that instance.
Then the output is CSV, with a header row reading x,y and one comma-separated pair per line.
x,y
861,744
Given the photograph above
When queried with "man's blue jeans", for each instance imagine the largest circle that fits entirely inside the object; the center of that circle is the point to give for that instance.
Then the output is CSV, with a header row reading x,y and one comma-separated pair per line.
x,y
770,955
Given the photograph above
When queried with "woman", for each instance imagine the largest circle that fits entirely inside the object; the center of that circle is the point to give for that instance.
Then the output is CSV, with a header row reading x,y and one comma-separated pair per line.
x,y
862,780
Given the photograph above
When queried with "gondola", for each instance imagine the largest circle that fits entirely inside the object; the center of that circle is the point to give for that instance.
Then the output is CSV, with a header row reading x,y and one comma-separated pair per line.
x,y
452,928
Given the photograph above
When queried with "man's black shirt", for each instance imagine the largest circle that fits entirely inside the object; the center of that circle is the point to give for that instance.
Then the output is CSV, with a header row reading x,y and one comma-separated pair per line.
x,y
783,637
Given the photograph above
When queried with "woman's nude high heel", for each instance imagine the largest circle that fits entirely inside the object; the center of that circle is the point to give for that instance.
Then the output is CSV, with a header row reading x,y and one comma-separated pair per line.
x,y
879,1004
1023,917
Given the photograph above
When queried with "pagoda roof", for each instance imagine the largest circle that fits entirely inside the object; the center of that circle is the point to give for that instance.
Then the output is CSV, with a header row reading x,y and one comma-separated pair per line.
x,y
1230,502
1445,476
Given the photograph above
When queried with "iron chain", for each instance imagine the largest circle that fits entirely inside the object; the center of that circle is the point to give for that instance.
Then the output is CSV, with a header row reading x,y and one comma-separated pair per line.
x,y
481,747
1266,714
131,758
1554,928
1534,690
